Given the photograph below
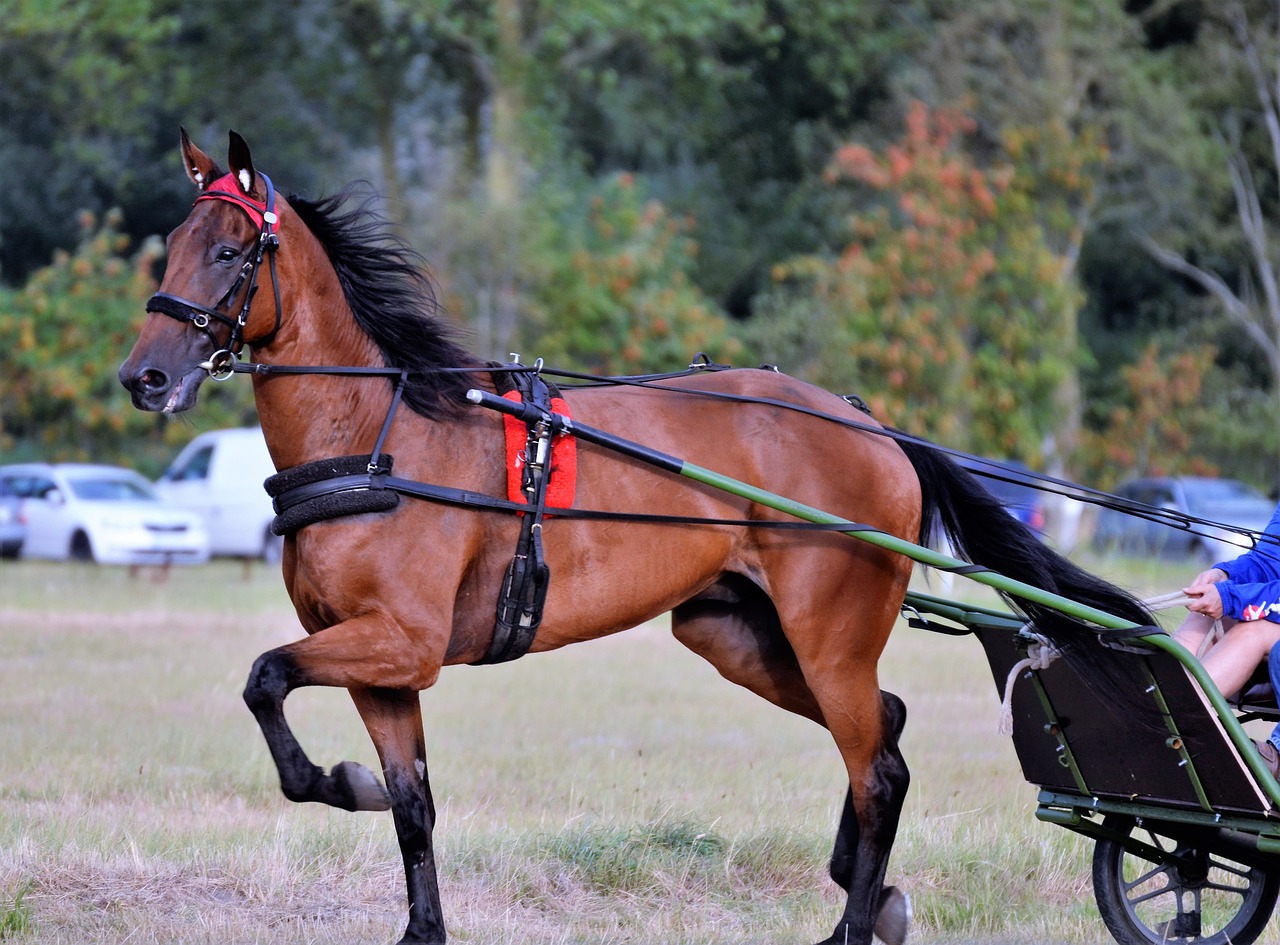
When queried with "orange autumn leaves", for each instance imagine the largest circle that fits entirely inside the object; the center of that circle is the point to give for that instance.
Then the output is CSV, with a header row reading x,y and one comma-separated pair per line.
x,y
947,300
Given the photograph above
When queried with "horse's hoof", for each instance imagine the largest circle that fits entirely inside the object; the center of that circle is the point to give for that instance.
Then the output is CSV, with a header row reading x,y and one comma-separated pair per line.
x,y
366,791
894,919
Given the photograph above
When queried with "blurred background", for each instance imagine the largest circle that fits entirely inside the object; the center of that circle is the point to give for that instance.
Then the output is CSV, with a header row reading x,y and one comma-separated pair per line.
x,y
1032,230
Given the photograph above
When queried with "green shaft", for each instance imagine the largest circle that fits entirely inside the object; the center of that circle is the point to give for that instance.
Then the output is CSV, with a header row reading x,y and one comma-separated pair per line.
x,y
1235,730
902,546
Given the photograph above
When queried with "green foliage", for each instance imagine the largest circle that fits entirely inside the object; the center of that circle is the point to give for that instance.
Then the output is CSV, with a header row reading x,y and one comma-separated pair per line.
x,y
728,112
615,296
942,309
15,914
62,338
71,95
1153,431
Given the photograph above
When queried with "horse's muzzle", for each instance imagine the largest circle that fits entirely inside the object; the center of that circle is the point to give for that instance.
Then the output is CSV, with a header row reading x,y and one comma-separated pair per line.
x,y
154,389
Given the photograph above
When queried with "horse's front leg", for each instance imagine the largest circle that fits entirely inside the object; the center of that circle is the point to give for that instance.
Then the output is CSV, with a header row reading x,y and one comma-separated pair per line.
x,y
384,669
394,721
349,785
363,653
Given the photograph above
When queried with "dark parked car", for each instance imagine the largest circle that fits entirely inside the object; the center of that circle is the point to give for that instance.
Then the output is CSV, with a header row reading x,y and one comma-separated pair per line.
x,y
13,525
1223,501
1014,484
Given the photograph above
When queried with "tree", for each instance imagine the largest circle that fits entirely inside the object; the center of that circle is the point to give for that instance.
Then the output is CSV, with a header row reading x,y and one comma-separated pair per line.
x,y
1254,304
62,337
1153,432
1062,76
68,91
940,309
617,299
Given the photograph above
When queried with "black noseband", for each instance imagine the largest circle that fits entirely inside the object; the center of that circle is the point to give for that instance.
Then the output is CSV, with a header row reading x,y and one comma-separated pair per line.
x,y
185,311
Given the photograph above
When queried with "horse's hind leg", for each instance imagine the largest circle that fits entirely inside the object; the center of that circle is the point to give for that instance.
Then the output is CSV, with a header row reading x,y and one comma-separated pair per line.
x,y
893,913
842,852
736,629
878,780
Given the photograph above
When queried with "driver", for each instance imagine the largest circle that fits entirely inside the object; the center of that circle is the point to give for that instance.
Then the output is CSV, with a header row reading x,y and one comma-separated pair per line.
x,y
1245,595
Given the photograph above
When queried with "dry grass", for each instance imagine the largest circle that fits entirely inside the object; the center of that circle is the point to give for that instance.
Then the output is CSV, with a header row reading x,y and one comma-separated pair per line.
x,y
615,792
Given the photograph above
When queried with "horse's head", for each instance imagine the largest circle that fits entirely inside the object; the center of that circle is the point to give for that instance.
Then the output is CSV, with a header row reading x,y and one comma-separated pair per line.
x,y
205,310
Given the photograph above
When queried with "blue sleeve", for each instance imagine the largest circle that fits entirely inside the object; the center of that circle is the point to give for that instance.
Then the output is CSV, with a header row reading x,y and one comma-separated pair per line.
x,y
1251,601
1258,565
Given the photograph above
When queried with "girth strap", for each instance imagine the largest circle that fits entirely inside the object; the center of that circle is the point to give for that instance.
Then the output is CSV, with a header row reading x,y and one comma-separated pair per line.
x,y
524,588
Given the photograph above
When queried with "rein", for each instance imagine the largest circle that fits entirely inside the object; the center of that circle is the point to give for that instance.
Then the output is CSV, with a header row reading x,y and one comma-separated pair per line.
x,y
1043,483
225,361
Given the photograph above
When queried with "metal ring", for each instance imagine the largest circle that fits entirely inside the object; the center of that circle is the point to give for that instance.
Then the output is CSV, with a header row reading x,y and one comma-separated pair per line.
x,y
200,320
221,365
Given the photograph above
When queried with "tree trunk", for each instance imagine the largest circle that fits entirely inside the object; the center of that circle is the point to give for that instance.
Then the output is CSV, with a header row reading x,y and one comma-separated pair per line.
x,y
503,165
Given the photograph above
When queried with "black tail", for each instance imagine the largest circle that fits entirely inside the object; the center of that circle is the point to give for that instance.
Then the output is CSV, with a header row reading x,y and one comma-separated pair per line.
x,y
983,532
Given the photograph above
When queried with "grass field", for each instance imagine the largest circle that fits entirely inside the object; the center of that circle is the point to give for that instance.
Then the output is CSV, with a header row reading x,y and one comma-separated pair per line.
x,y
612,792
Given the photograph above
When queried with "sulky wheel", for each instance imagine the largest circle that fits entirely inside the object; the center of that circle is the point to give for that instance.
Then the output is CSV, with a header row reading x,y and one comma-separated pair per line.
x,y
1171,891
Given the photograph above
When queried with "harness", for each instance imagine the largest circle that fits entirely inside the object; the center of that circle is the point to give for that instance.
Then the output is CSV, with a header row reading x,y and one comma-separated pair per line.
x,y
524,588
350,485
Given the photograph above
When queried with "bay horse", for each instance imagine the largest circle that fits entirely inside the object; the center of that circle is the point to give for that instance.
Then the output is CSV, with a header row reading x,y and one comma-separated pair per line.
x,y
389,597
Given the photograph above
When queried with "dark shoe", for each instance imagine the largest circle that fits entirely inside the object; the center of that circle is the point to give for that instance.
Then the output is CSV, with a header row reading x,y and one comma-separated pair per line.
x,y
1270,757
894,919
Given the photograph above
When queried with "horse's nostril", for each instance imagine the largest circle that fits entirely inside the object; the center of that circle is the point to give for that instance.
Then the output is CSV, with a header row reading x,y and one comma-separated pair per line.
x,y
153,379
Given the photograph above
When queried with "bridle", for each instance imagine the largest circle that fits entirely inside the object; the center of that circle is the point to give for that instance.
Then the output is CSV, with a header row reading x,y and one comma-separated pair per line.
x,y
225,360
221,364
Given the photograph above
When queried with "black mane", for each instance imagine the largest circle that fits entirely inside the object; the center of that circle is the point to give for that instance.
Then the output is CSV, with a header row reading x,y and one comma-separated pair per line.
x,y
392,297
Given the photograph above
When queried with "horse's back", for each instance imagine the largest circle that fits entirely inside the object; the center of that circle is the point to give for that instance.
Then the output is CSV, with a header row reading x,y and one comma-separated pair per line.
x,y
740,423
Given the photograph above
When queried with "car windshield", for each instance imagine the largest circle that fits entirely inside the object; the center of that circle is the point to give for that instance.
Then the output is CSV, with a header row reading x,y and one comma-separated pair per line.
x,y
104,489
1214,493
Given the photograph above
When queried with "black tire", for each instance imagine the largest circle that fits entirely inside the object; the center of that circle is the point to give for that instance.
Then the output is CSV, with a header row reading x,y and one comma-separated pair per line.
x,y
272,547
81,548
1175,892
1202,555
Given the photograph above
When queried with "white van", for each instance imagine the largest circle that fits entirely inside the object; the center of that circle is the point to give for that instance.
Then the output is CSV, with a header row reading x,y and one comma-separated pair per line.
x,y
219,476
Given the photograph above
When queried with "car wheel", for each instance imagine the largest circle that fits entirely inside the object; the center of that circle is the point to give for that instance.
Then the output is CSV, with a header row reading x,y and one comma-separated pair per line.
x,y
81,548
1202,554
272,547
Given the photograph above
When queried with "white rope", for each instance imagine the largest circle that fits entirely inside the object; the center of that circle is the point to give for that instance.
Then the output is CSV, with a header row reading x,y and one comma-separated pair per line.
x,y
1179,599
1040,653
1166,601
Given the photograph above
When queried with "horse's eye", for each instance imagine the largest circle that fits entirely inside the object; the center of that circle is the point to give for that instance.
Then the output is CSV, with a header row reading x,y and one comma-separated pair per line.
x,y
226,255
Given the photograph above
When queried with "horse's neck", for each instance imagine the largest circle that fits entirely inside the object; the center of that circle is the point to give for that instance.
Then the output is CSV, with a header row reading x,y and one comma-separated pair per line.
x,y
320,416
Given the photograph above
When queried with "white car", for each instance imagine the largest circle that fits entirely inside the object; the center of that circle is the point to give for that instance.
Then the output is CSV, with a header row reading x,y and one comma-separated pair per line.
x,y
219,476
101,513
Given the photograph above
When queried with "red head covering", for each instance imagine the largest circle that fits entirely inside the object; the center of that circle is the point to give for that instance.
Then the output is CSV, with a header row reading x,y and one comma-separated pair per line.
x,y
228,188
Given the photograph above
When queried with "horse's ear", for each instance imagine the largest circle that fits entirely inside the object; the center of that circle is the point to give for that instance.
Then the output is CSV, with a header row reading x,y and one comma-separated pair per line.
x,y
200,167
242,166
